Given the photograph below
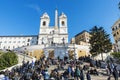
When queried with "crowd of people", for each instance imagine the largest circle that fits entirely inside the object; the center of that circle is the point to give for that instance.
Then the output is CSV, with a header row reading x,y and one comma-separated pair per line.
x,y
65,70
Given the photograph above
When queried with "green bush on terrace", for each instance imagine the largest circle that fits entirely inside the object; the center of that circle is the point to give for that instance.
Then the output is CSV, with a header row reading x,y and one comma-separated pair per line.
x,y
7,59
116,55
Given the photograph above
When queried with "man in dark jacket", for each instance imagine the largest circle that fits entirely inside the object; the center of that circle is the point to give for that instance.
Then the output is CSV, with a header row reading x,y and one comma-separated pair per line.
x,y
88,75
115,73
82,75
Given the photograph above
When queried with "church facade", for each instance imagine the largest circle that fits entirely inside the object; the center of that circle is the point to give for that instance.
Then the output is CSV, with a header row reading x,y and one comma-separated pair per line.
x,y
57,34
52,41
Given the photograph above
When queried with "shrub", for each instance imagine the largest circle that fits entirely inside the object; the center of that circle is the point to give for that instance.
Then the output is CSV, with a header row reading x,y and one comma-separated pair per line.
x,y
8,59
116,55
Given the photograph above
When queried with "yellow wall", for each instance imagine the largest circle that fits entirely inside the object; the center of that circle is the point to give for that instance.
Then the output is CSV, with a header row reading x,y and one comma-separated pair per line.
x,y
38,54
81,53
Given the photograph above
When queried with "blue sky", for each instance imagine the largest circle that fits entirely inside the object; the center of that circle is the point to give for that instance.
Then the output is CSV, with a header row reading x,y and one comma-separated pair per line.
x,y
22,17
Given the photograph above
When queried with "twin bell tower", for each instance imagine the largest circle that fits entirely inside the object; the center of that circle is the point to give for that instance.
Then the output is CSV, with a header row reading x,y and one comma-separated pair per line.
x,y
53,34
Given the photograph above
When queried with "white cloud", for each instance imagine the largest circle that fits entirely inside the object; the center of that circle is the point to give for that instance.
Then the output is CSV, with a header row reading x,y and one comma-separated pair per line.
x,y
35,7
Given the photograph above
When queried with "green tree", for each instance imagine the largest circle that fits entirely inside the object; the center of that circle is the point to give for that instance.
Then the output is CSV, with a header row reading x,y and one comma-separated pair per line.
x,y
100,41
8,59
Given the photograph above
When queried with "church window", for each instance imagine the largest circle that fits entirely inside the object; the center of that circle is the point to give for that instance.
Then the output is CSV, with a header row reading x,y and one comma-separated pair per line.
x,y
119,24
42,42
28,40
114,34
44,23
8,47
27,44
63,23
117,32
118,50
116,27
53,31
50,32
36,42
113,29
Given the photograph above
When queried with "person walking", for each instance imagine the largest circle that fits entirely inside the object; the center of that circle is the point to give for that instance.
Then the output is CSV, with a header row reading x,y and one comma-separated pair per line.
x,y
77,73
115,73
46,75
82,74
88,75
73,71
109,77
69,70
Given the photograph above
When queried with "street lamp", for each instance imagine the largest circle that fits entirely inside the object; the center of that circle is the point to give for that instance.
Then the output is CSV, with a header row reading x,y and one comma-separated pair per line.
x,y
45,51
63,40
24,55
74,51
42,40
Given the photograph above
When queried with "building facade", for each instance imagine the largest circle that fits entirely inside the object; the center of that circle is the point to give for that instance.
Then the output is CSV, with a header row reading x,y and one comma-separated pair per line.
x,y
116,35
57,34
12,42
82,38
52,41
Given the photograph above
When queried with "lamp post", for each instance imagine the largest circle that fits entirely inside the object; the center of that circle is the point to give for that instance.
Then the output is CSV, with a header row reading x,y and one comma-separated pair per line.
x,y
24,55
42,40
45,51
74,51
63,40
